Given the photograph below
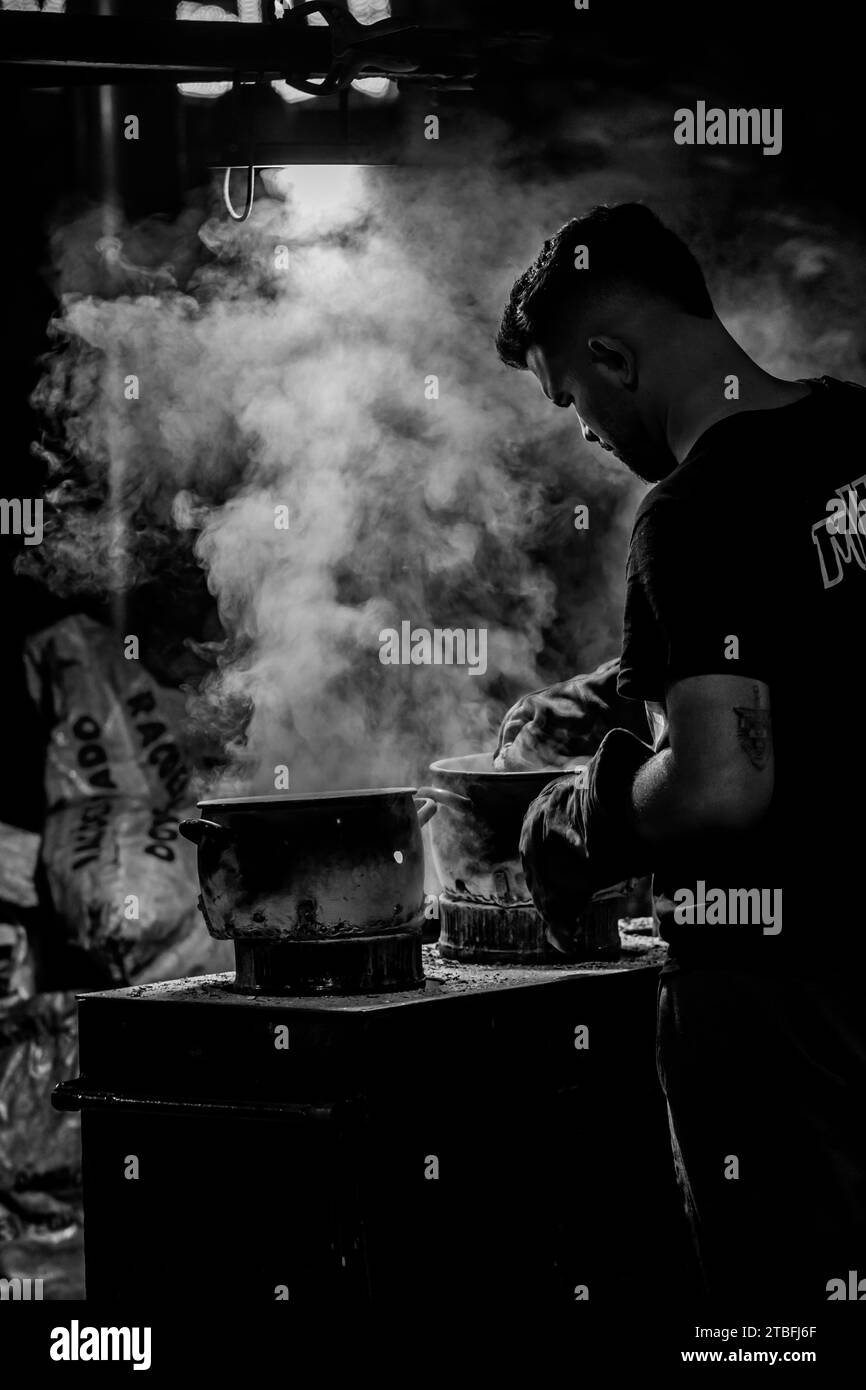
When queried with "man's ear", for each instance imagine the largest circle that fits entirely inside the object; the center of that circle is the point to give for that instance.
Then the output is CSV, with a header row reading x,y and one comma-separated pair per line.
x,y
615,357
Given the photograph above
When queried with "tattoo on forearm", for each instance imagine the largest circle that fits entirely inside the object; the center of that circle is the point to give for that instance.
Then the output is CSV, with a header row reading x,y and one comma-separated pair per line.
x,y
754,732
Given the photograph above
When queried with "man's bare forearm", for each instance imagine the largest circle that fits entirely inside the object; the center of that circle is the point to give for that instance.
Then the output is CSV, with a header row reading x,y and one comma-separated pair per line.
x,y
669,807
664,805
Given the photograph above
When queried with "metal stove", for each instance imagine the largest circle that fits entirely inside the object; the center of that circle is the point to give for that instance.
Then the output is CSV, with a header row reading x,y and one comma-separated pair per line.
x,y
496,1135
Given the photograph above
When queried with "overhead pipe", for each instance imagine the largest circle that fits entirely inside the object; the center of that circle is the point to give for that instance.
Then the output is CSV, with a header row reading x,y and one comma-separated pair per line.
x,y
84,48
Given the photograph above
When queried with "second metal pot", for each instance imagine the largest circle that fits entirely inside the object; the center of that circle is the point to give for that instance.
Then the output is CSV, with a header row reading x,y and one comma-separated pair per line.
x,y
475,838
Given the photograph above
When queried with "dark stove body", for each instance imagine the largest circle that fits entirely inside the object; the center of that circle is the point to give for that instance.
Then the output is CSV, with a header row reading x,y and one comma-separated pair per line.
x,y
376,1151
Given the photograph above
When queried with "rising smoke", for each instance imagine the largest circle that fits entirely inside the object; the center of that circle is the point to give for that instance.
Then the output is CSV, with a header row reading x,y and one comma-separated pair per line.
x,y
289,370
293,371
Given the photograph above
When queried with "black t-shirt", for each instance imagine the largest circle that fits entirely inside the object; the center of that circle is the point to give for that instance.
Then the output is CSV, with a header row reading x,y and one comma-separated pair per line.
x,y
735,541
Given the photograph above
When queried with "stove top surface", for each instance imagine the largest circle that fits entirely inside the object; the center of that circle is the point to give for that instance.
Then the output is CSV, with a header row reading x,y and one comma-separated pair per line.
x,y
444,979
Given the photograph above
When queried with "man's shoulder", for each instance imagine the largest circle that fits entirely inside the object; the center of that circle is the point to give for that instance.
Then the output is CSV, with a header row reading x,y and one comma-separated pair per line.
x,y
835,383
839,394
705,475
661,502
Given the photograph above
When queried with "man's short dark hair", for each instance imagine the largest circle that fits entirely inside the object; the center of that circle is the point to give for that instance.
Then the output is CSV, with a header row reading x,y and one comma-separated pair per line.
x,y
628,247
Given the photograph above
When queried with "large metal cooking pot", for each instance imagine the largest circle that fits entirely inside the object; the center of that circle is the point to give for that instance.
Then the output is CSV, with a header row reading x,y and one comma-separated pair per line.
x,y
333,866
475,838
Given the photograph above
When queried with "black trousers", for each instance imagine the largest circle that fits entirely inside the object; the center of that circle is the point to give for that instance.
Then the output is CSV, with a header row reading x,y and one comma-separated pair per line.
x,y
765,1080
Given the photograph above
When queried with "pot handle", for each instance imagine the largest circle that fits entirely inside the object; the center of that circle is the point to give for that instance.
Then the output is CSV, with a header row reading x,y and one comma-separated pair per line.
x,y
198,830
426,806
445,798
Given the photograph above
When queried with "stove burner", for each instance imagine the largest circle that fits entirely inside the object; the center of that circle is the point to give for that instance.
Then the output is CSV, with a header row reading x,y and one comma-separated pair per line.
x,y
490,931
352,965
513,933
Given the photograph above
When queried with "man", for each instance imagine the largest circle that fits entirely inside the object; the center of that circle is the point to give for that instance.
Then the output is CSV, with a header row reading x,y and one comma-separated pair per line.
x,y
746,571
550,727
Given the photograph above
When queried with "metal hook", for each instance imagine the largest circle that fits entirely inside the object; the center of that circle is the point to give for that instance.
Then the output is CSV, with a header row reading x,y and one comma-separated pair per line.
x,y
250,195
251,145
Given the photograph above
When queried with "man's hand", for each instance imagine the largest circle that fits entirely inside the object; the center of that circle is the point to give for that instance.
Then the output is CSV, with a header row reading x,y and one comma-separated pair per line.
x,y
541,730
554,861
607,814
557,726
544,729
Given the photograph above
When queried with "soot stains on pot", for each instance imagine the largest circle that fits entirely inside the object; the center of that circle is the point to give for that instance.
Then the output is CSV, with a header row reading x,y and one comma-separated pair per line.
x,y
298,878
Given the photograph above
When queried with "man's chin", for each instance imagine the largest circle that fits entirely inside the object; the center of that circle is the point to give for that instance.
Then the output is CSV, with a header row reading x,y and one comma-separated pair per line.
x,y
650,470
648,465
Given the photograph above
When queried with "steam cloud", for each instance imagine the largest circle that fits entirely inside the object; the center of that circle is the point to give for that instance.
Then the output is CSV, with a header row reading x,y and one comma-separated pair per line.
x,y
305,387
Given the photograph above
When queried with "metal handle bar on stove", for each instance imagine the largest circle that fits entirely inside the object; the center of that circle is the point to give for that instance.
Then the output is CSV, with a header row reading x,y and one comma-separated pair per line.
x,y
76,1095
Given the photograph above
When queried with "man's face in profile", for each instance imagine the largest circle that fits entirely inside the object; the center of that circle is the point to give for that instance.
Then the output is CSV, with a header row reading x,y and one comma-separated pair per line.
x,y
607,413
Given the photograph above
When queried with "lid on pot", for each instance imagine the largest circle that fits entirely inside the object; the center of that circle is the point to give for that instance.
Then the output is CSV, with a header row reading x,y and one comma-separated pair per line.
x,y
263,803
